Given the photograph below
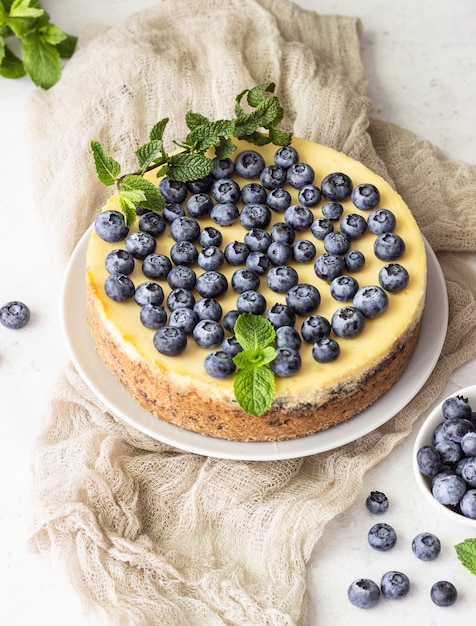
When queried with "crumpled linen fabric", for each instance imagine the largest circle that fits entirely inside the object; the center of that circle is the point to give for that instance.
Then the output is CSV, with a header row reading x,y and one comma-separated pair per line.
x,y
149,534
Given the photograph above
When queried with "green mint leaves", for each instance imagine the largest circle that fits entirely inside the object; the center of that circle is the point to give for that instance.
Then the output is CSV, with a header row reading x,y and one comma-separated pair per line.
x,y
43,45
254,382
466,552
191,163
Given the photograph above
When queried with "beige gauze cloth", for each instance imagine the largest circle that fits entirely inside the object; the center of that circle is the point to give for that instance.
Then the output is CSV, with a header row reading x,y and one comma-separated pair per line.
x,y
149,534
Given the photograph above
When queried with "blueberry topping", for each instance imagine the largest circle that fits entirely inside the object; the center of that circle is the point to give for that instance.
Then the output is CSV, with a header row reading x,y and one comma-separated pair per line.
x,y
278,199
153,316
336,187
348,322
353,225
443,593
229,320
309,195
377,502
354,260
208,309
219,364
254,192
180,298
257,240
395,585
426,546
184,253
172,211
337,243
286,363
365,196
119,262
202,185
304,251
325,350
210,236
152,223
249,163
173,191
300,174
363,593
208,334
170,341
255,215
286,156
382,537
211,258
279,253
119,287
299,217
244,279
393,277
226,190
281,315
258,262
321,227
225,213
287,337
328,266
381,221
389,247
199,205
236,253
149,293
251,301
231,346
14,315
181,276
281,278
140,244
185,229
223,168
303,298
272,177
371,301
343,288
184,318
280,231
211,284
110,226
332,210
314,328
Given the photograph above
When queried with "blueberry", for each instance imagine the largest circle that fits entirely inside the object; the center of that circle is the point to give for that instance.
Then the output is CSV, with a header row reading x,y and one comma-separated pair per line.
x,y
428,460
201,185
354,260
272,177
466,469
231,346
184,318
377,502
153,316
455,428
456,406
395,585
172,211
448,489
299,217
347,322
303,298
210,236
286,156
382,537
314,328
332,210
309,195
443,593
223,168
225,213
287,362
468,444
381,221
180,298
185,229
184,253
251,301
236,253
337,243
426,546
249,163
211,258
467,504
281,315
450,451
219,364
363,593
393,277
118,287
208,334
14,315
152,223
110,226
258,262
325,350
343,288
226,190
229,320
278,199
328,266
182,276
212,284
321,227
140,244
288,337
255,215
304,251
208,309
257,240
149,293
336,187
300,174
170,341
365,196
244,279
174,191
279,252
199,205
389,247
280,231
353,225
371,301
254,192
281,278
119,262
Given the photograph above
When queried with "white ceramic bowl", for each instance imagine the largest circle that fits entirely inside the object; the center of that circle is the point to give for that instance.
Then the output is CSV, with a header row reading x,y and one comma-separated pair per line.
x,y
423,438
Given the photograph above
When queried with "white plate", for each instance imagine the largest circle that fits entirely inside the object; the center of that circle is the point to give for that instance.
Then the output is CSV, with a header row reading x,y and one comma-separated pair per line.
x,y
90,366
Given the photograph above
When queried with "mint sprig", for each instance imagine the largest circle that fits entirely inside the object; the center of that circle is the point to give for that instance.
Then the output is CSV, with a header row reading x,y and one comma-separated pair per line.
x,y
192,162
466,552
254,382
43,45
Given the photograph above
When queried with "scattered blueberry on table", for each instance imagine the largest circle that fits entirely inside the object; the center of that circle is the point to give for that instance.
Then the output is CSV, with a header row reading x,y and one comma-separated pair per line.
x,y
14,315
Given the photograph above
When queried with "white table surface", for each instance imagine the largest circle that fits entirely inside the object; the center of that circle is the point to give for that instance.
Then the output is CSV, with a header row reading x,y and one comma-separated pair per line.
x,y
421,62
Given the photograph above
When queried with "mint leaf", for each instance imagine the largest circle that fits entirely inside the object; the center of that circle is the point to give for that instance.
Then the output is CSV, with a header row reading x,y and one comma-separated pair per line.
x,y
67,46
21,8
157,132
253,331
148,196
11,66
466,552
256,358
42,62
107,168
254,389
194,120
208,135
147,153
127,203
52,34
225,148
256,95
184,167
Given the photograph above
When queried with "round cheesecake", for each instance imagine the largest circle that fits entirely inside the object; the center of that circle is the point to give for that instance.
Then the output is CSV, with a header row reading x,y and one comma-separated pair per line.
x,y
319,395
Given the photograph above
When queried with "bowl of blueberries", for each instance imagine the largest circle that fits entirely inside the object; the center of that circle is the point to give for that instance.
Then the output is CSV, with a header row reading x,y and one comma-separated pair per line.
x,y
444,457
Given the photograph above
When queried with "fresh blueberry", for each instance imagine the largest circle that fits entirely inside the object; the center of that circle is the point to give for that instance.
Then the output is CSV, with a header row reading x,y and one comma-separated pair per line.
x,y
180,298
309,195
371,301
272,177
303,298
287,362
314,328
325,350
286,156
173,191
202,185
211,284
363,593
466,469
336,187
184,253
426,546
347,322
377,502
337,243
300,174
119,262
448,489
118,287
455,428
381,221
382,537
231,346
253,192
211,258
456,406
244,279
185,229
443,593
184,318
208,309
152,223
199,205
257,240
280,231
343,288
467,504
219,364
110,226
395,585
287,337
14,315
321,227
279,253
281,315
353,225
279,199
450,451
140,244
255,215
208,334
251,302
389,247
249,163
304,251
223,168
149,293
153,316
281,278
428,460
365,196
258,262
299,217
393,277
332,210
438,434
172,211
354,260
468,444
225,213
182,276
236,253
226,190
229,320
170,341
328,266
210,236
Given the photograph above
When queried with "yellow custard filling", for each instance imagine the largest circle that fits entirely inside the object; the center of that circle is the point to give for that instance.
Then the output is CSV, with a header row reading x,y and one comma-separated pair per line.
x,y
357,354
